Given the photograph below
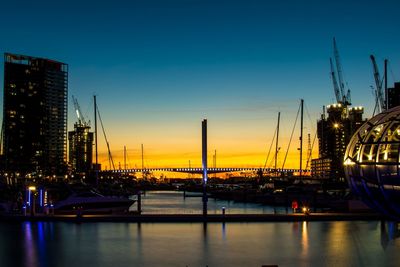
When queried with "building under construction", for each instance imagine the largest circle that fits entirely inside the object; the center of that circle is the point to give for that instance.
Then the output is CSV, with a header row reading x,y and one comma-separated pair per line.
x,y
335,128
334,132
80,148
80,144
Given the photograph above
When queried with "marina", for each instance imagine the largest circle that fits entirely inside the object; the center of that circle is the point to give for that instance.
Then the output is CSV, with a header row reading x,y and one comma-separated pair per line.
x,y
172,231
351,243
188,133
173,207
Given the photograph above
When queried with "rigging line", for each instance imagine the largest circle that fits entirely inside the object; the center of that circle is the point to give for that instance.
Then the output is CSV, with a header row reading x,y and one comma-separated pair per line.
x,y
88,110
272,161
291,136
105,137
309,117
270,147
312,146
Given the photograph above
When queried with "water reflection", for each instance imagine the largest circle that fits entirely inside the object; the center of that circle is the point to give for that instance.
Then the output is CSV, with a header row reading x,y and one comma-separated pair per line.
x,y
174,202
41,241
389,231
224,231
35,239
304,238
198,244
30,258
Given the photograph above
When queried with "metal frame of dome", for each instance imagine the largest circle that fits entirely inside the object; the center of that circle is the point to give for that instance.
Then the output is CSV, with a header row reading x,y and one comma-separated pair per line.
x,y
372,164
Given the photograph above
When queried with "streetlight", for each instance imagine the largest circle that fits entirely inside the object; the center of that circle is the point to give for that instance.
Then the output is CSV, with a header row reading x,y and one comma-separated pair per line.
x,y
31,191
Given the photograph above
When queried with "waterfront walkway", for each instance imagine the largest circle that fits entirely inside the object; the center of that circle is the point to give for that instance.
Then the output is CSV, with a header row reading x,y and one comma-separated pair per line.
x,y
194,218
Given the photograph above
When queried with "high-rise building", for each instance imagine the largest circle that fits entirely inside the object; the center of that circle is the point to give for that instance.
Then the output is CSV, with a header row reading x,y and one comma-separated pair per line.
x,y
334,133
35,115
81,148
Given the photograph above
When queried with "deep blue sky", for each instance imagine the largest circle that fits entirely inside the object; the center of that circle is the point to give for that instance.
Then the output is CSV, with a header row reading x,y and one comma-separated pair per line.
x,y
159,67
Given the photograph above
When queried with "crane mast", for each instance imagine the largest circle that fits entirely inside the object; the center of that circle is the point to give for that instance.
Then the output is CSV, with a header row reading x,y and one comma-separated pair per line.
x,y
335,84
345,97
378,82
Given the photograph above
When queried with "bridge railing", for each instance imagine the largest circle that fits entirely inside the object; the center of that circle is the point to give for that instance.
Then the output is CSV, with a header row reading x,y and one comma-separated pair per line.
x,y
200,170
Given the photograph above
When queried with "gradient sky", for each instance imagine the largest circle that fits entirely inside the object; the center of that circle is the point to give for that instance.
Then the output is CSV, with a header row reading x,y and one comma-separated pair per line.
x,y
159,67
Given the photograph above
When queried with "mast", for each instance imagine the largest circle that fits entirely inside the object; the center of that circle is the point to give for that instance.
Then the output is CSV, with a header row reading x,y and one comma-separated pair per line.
x,y
124,157
215,162
190,166
301,136
276,143
95,139
204,164
142,163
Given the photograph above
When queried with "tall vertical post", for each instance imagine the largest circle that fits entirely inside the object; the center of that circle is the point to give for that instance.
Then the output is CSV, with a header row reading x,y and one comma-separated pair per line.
x,y
95,140
301,138
124,157
386,86
215,163
204,161
142,163
190,166
276,144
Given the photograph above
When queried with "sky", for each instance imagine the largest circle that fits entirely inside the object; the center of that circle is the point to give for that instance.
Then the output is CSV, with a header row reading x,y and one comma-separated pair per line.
x,y
159,67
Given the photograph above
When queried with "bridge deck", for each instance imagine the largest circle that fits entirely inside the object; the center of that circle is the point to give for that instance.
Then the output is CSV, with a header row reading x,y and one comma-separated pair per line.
x,y
200,170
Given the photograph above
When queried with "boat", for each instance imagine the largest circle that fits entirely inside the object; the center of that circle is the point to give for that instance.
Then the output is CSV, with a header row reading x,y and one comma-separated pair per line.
x,y
84,199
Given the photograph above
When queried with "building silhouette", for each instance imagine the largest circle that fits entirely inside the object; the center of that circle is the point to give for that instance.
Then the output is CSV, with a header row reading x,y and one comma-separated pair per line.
x,y
81,148
393,95
334,133
34,116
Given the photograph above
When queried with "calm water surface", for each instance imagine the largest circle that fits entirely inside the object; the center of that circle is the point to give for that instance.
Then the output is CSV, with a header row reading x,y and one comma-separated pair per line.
x,y
50,244
216,244
173,202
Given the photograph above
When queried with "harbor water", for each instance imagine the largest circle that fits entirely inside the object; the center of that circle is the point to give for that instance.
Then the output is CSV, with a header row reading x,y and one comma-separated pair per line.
x,y
175,202
62,244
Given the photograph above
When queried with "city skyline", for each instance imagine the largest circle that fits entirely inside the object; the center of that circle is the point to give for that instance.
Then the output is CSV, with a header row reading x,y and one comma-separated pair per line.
x,y
159,68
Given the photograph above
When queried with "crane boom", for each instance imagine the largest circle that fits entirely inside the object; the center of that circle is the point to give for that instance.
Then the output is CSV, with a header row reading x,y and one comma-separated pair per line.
x,y
81,119
338,68
335,84
378,82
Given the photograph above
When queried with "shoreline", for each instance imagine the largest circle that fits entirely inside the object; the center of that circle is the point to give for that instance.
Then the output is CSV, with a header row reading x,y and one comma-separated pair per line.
x,y
196,218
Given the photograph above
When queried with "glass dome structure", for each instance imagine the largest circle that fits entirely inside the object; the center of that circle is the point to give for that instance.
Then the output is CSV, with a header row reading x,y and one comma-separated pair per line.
x,y
372,163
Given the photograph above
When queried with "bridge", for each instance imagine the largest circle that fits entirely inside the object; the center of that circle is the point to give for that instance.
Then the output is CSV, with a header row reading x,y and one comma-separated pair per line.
x,y
204,170
200,170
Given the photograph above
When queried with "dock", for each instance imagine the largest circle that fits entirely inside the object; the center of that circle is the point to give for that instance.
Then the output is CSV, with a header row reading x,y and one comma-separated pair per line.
x,y
196,218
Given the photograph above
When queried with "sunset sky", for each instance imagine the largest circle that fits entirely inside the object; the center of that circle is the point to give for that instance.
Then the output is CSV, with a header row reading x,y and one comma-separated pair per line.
x,y
159,67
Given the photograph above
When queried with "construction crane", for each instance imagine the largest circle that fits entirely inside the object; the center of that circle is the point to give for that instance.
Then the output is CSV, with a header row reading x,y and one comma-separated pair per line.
x,y
335,84
81,119
378,83
345,97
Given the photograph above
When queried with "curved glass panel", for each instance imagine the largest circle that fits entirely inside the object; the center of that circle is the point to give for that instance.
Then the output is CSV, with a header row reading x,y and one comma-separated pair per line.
x,y
372,162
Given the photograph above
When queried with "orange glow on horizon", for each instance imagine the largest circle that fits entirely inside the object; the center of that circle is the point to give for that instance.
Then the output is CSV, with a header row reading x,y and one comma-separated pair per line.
x,y
180,159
